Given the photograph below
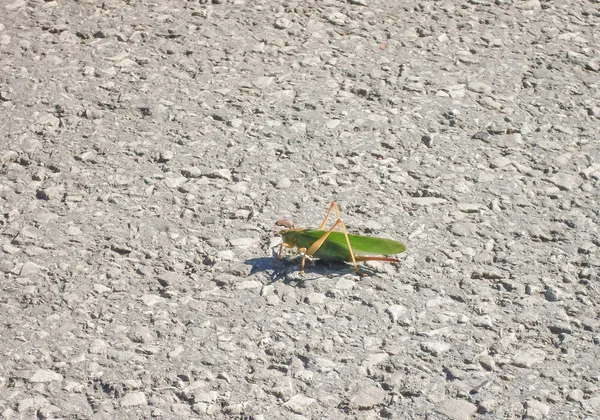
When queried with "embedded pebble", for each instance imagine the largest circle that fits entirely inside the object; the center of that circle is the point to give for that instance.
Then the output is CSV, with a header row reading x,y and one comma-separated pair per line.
x,y
587,248
470,207
566,181
151,300
192,172
478,87
299,403
507,141
99,346
243,242
249,284
283,23
100,288
29,269
141,335
463,229
591,404
367,398
219,174
227,255
575,395
345,284
539,232
456,409
487,406
528,358
133,399
283,183
165,156
396,312
373,226
176,181
428,201
44,376
553,294
331,124
481,135
435,348
179,409
315,298
483,321
487,362
535,409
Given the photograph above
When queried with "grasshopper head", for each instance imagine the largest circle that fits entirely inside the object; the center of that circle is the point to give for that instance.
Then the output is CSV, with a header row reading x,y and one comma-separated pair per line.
x,y
290,236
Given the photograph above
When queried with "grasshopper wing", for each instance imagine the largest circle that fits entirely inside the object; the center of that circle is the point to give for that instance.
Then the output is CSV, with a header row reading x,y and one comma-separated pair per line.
x,y
335,246
366,245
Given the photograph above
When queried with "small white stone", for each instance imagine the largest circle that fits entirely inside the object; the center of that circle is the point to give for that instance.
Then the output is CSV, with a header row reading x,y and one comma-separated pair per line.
x,y
220,174
165,156
427,201
100,288
528,358
396,311
151,300
175,181
267,290
315,298
299,403
478,87
249,284
283,183
43,376
226,255
98,346
566,181
283,23
456,409
436,348
243,242
236,123
345,284
132,399
331,124
373,225
192,172
536,409
367,398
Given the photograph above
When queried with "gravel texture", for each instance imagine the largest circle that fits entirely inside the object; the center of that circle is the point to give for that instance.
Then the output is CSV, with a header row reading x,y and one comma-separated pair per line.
x,y
147,148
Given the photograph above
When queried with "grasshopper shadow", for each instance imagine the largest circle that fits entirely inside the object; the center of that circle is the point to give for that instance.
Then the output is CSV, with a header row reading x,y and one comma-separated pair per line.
x,y
288,269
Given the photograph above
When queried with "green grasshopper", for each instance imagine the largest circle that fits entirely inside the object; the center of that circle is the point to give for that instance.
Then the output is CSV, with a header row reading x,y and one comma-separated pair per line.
x,y
338,246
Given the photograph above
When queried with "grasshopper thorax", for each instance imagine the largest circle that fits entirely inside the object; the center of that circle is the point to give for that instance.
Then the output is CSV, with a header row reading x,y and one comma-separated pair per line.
x,y
291,236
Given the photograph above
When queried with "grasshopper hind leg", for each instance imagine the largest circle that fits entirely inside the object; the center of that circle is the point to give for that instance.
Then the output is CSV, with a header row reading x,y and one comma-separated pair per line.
x,y
342,227
333,206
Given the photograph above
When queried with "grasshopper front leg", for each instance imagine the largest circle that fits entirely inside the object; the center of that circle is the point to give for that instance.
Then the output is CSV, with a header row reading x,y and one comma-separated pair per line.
x,y
281,246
